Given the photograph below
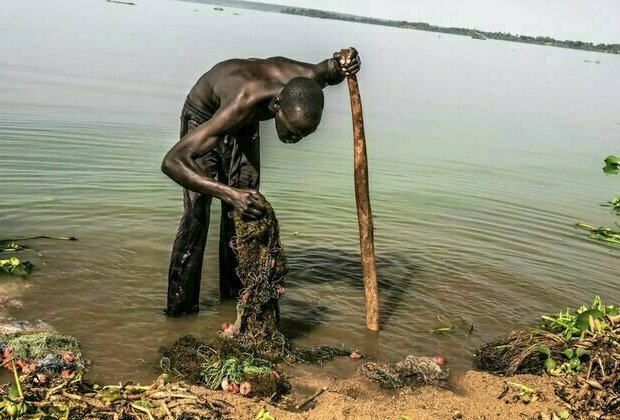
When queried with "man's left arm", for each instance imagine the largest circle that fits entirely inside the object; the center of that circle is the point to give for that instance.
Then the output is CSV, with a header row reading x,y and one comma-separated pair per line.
x,y
333,70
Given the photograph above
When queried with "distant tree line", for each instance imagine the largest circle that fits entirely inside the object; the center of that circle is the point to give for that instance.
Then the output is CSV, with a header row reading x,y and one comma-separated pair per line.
x,y
474,33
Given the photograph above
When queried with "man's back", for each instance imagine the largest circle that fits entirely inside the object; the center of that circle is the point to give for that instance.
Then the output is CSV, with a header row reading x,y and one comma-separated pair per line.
x,y
236,79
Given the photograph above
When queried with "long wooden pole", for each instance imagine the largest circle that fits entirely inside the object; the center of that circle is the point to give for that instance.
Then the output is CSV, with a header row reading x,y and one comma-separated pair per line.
x,y
364,212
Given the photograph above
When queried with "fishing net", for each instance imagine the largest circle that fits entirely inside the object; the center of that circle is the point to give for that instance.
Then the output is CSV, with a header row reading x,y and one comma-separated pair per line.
x,y
411,370
249,349
262,269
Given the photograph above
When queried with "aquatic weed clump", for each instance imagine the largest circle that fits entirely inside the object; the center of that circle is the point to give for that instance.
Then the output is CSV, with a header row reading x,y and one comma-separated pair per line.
x,y
518,353
183,358
581,348
223,363
231,361
37,345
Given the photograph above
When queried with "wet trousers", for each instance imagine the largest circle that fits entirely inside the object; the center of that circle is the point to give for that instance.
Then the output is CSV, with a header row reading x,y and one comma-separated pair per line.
x,y
234,162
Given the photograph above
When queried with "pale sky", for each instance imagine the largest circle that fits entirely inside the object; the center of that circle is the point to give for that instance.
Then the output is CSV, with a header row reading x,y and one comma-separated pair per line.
x,y
584,20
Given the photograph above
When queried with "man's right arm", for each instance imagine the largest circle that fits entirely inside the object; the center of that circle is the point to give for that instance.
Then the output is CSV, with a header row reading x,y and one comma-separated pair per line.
x,y
181,166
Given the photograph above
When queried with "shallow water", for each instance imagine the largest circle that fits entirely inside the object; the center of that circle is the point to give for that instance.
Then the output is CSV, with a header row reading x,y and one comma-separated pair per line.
x,y
481,156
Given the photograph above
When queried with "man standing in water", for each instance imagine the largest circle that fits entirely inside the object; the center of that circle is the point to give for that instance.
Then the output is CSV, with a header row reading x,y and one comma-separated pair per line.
x,y
219,138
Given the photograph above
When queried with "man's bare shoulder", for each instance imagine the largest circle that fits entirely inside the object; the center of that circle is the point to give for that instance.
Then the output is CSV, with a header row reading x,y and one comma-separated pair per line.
x,y
246,82
222,83
262,68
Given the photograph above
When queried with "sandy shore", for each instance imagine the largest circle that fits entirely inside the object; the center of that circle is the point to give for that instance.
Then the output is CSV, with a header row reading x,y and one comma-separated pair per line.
x,y
472,395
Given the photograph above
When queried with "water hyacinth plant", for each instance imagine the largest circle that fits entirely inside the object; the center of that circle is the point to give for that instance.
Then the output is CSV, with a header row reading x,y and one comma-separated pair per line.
x,y
234,370
612,165
15,266
585,320
570,362
614,203
612,160
609,236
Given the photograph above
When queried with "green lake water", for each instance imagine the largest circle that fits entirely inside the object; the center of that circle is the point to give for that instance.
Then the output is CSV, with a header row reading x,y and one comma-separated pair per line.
x,y
482,154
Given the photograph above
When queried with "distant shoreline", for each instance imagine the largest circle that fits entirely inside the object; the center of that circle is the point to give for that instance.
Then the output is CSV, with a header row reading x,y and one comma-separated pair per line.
x,y
420,26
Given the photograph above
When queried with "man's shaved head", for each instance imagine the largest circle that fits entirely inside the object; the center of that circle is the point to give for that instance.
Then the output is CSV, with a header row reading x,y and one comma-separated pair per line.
x,y
301,105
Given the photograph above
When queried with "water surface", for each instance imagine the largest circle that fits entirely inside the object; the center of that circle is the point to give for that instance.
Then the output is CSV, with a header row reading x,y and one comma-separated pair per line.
x,y
481,156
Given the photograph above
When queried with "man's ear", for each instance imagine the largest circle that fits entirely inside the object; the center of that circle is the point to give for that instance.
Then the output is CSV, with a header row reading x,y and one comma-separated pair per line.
x,y
276,103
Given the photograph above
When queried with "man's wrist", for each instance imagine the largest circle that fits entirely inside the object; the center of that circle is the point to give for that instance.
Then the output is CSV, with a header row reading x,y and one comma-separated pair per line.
x,y
334,75
226,194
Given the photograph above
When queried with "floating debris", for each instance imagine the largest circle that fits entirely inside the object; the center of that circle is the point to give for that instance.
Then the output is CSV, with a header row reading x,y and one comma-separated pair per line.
x,y
614,203
601,234
7,246
128,3
55,238
449,327
20,267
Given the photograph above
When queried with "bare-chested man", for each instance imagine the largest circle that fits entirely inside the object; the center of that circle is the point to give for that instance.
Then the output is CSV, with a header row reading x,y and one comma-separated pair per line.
x,y
219,139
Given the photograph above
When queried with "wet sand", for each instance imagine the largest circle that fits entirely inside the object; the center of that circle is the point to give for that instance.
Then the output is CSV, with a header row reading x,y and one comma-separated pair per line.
x,y
471,396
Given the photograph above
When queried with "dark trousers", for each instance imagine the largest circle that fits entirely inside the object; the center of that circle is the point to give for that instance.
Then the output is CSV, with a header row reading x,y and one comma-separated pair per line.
x,y
235,162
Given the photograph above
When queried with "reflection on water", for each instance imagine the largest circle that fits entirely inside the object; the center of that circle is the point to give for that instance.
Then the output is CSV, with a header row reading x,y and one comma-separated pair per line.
x,y
317,266
482,155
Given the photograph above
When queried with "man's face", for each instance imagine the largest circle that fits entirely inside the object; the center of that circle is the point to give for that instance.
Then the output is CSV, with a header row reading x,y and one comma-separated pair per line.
x,y
292,130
